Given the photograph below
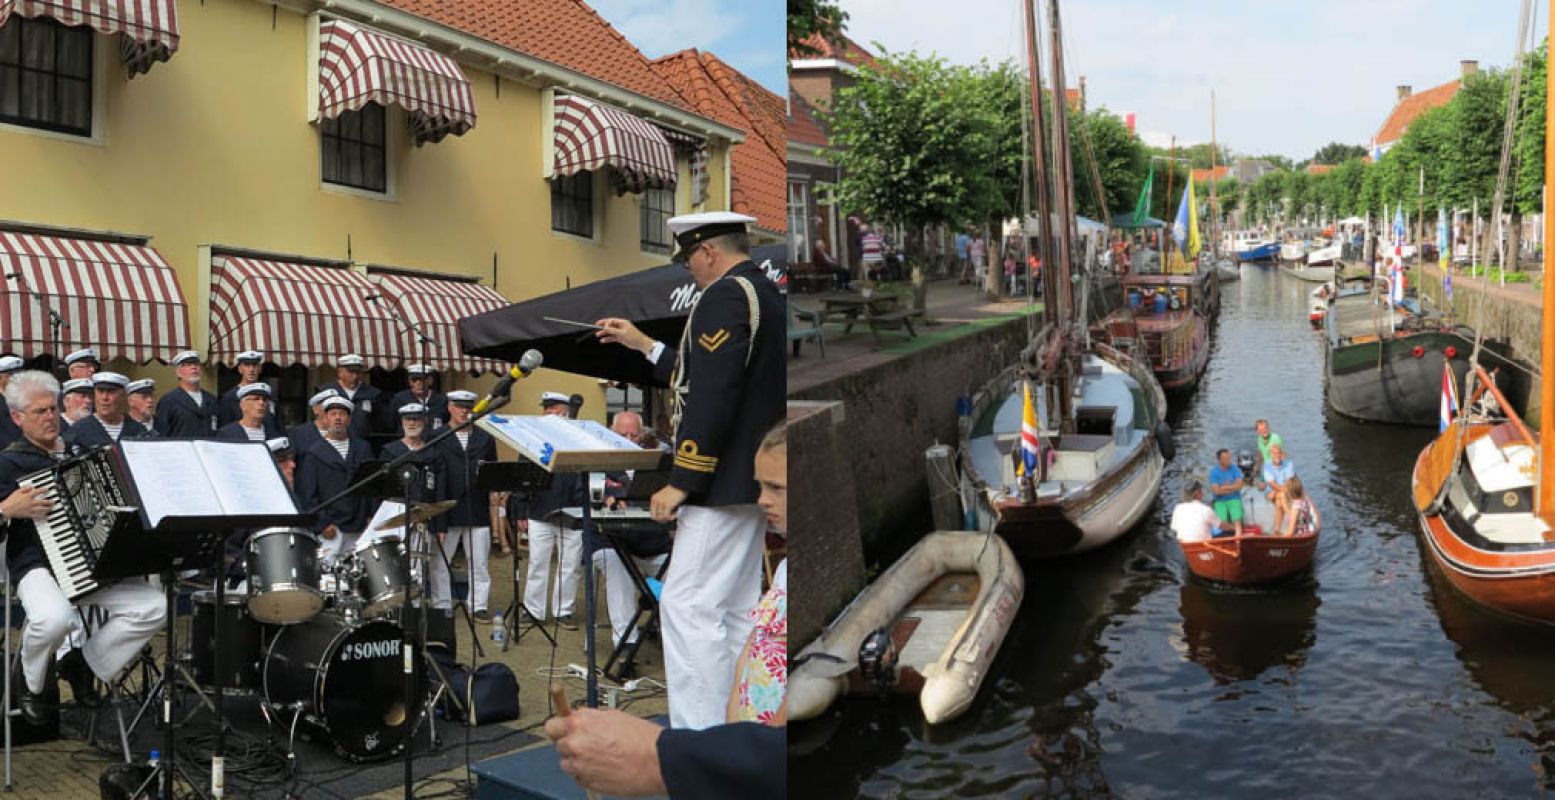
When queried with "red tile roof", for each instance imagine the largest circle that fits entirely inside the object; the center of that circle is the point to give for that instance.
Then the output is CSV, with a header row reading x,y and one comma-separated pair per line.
x,y
844,49
802,127
1411,107
564,32
712,88
1202,175
1319,169
1073,97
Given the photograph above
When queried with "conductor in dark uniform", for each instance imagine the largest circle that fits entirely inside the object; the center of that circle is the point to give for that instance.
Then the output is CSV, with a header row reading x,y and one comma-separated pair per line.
x,y
728,379
111,421
250,362
324,470
421,392
187,411
9,430
370,414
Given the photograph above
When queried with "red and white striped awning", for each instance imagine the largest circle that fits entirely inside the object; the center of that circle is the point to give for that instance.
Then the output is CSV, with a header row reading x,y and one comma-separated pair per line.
x,y
297,313
358,65
435,305
149,27
590,135
122,299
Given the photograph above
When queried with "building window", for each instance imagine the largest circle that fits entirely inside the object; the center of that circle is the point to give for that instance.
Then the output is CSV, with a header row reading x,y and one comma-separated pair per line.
x,y
46,75
657,206
572,204
355,153
798,216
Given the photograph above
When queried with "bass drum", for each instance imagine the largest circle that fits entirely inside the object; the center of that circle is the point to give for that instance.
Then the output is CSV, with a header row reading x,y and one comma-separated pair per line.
x,y
348,678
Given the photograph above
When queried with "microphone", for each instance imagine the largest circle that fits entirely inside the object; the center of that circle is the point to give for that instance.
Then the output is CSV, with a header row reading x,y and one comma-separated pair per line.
x,y
531,361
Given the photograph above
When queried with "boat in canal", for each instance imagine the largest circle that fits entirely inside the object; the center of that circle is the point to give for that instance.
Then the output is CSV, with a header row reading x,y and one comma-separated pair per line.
x,y
1327,255
1173,314
1257,556
1384,366
1294,250
928,626
1268,251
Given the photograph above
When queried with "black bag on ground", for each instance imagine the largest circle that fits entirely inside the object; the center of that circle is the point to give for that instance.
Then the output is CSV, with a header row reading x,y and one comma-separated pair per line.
x,y
494,692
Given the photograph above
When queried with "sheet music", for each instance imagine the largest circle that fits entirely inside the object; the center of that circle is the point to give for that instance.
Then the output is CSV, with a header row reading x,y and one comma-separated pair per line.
x,y
371,536
244,478
170,479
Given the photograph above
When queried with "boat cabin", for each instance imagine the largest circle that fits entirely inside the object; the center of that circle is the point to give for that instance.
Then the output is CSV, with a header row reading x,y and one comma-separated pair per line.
x,y
1494,492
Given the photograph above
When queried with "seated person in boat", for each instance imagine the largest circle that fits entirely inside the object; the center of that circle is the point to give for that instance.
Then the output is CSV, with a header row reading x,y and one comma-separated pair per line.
x,y
1278,471
1302,517
1225,483
1193,521
1265,440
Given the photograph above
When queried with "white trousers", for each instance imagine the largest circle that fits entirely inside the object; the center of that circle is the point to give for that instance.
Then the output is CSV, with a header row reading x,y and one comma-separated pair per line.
x,y
135,612
621,590
713,582
477,550
331,550
436,575
546,541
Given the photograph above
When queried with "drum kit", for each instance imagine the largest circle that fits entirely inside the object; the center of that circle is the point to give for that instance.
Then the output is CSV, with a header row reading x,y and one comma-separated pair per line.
x,y
320,641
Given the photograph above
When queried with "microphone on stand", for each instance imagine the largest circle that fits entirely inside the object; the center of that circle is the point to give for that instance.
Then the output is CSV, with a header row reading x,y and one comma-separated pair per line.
x,y
531,361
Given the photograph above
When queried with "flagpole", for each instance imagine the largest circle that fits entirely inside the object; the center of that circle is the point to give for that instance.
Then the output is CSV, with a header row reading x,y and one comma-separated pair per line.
x,y
1420,241
1171,163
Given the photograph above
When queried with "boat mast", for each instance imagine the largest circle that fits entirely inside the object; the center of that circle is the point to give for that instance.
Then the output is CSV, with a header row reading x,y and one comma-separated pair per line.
x,y
1214,206
1063,183
1547,355
1050,311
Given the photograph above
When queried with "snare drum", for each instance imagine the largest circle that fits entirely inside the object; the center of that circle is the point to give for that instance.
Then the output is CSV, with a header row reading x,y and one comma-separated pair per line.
x,y
283,576
379,578
241,642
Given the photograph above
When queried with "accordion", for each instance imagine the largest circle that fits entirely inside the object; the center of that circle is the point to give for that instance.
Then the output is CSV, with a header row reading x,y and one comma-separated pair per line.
x,y
90,501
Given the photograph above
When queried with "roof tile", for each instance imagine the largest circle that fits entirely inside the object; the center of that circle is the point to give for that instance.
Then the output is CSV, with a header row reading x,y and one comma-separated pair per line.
x,y
1411,107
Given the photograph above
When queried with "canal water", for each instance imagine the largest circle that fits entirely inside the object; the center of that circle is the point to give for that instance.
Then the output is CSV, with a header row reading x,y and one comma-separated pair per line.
x,y
1124,677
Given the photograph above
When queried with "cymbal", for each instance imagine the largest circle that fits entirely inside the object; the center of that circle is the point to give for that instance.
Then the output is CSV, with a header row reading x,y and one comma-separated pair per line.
x,y
420,513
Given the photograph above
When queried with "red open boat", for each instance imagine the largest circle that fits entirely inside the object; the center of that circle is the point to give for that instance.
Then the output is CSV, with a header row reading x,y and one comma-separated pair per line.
x,y
1251,558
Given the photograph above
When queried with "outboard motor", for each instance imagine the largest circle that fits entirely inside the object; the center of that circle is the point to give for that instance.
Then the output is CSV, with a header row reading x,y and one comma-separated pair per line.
x,y
877,660
1246,463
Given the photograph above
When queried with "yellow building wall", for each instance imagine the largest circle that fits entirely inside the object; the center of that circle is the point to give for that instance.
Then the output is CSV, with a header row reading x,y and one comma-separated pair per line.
x,y
215,147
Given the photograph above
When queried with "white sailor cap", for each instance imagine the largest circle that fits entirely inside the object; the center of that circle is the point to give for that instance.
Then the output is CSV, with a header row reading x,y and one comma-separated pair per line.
x,y
691,230
257,387
318,399
112,379
9,364
84,354
185,356
280,446
351,361
143,385
418,371
251,357
413,410
338,402
77,385
551,398
461,397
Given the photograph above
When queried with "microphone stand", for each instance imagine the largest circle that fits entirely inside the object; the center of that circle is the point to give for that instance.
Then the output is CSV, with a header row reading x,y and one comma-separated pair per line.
x,y
422,338
411,644
55,320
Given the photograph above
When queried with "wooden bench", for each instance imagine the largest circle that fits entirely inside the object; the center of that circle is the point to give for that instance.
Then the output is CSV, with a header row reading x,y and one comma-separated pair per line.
x,y
891,319
802,325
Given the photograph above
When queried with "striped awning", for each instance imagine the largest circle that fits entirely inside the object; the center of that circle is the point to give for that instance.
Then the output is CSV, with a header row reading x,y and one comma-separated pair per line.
x,y
149,27
695,149
297,313
590,135
435,305
122,299
358,65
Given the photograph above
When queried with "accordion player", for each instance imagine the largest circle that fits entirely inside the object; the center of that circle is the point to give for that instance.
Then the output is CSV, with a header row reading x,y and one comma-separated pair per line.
x,y
134,609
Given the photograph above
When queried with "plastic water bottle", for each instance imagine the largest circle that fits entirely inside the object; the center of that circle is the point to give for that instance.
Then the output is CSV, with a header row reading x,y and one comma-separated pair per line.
x,y
497,633
156,757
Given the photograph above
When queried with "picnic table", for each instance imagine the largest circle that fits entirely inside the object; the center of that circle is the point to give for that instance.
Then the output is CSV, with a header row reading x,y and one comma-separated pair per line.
x,y
882,311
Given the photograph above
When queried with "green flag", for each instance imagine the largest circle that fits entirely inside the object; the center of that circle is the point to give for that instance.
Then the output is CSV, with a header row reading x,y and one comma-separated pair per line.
x,y
1142,208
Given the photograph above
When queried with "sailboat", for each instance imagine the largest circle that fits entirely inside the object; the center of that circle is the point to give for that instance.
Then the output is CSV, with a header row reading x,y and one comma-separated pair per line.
x,y
1063,451
1485,487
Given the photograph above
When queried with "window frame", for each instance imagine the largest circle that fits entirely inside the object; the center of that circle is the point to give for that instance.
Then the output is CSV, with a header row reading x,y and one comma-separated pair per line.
x,y
100,55
386,147
798,236
559,186
652,218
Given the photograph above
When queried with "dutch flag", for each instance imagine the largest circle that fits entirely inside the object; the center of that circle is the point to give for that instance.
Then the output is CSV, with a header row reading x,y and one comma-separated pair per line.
x,y
1449,398
1030,444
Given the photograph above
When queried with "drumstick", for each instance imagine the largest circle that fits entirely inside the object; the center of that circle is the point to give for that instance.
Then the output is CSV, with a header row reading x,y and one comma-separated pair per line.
x,y
559,705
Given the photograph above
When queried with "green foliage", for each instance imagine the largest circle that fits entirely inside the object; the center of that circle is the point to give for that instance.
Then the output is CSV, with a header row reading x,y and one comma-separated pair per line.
x,y
1120,158
1198,155
809,17
1335,153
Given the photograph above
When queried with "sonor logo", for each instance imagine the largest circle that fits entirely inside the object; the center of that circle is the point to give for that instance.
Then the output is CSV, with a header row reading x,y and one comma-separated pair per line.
x,y
362,651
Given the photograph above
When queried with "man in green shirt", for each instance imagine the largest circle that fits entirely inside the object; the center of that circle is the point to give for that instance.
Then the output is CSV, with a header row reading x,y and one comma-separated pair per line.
x,y
1265,441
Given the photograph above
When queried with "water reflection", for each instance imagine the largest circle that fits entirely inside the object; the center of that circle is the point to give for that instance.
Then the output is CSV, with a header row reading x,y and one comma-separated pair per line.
x,y
1237,635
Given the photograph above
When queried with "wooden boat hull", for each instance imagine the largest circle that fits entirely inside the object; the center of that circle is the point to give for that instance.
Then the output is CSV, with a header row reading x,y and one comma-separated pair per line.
x,y
1520,583
1110,509
1250,559
947,686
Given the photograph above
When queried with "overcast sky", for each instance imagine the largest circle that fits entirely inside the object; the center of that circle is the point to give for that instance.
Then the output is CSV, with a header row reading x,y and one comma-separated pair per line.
x,y
1288,77
750,36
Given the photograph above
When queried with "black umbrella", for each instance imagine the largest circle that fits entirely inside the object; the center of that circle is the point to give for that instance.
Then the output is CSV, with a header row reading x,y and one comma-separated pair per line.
x,y
656,300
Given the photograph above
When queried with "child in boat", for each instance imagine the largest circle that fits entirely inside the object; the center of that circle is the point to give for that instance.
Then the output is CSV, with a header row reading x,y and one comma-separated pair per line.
x,y
1193,521
1302,517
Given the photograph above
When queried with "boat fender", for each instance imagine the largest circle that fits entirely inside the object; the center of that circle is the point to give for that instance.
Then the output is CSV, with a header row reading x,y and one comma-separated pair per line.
x,y
1417,351
1163,440
1450,352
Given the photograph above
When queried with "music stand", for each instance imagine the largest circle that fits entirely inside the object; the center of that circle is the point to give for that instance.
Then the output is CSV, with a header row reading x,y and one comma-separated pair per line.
x,y
521,477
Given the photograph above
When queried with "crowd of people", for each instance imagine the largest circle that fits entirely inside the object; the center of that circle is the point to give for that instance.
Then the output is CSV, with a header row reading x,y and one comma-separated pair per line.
x,y
1271,474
